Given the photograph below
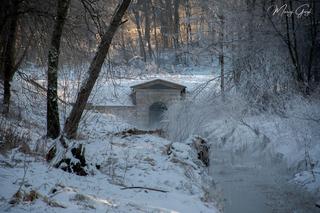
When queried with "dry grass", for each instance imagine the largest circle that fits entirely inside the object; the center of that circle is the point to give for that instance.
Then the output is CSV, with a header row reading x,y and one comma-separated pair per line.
x,y
11,138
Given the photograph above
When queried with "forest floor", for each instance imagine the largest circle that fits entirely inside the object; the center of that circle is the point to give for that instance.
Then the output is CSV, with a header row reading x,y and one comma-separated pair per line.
x,y
127,173
251,186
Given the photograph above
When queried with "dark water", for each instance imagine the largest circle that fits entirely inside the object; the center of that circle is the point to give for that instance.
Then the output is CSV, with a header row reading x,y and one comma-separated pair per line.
x,y
253,186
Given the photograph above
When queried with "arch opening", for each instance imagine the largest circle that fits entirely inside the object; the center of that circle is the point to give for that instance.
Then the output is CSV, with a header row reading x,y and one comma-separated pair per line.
x,y
156,111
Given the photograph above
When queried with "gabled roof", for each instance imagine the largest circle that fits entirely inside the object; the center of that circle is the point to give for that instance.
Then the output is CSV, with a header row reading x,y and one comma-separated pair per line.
x,y
158,84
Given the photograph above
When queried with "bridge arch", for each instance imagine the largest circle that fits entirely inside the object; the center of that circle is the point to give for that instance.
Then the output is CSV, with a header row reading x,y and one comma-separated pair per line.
x,y
156,111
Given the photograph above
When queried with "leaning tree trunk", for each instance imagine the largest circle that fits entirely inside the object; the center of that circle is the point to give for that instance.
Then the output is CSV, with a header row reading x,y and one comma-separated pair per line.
x,y
53,124
72,122
8,54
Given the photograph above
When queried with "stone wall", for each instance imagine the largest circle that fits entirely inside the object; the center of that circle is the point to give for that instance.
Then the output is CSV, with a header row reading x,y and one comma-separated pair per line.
x,y
139,114
127,113
146,97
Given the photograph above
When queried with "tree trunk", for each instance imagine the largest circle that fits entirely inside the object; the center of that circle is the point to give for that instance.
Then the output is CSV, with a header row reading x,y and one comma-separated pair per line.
x,y
176,29
188,17
155,35
235,63
4,14
166,22
53,124
72,122
316,67
146,8
141,43
221,57
8,54
313,49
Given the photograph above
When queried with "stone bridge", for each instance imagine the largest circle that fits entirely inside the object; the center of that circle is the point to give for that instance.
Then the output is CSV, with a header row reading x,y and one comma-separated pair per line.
x,y
150,99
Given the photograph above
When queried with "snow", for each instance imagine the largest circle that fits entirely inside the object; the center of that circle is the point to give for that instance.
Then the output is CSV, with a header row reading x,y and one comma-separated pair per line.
x,y
236,127
138,160
309,179
131,161
142,160
276,139
117,92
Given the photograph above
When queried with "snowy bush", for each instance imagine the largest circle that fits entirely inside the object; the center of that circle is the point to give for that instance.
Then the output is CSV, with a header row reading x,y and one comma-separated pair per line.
x,y
191,116
11,138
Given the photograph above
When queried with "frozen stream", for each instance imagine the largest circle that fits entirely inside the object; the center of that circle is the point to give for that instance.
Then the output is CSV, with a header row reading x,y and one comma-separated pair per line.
x,y
249,186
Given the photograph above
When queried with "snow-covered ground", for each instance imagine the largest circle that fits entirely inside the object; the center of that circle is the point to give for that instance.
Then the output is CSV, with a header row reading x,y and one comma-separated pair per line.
x,y
132,161
289,139
178,182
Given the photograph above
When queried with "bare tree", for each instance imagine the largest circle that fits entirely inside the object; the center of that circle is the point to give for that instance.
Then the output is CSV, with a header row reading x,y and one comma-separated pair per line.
x,y
137,20
146,10
293,31
73,120
53,124
8,50
221,56
176,28
188,24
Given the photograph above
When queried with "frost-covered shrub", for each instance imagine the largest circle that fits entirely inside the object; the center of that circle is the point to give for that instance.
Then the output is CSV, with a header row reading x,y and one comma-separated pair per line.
x,y
237,126
179,122
11,138
191,116
264,80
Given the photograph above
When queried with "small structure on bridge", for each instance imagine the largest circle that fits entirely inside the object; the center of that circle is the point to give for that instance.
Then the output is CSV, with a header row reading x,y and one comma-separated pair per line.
x,y
152,98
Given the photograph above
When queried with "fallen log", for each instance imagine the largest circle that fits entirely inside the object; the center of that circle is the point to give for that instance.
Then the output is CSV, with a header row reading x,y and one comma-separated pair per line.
x,y
146,188
134,131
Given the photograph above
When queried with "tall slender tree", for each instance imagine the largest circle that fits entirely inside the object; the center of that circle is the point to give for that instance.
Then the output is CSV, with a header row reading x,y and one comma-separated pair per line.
x,y
53,124
137,19
176,29
221,56
146,10
8,50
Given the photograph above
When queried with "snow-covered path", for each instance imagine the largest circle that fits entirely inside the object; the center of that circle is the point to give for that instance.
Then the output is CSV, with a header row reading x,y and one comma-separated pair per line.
x,y
248,187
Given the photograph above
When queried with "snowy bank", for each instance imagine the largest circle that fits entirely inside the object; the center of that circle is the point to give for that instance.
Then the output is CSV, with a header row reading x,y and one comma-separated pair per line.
x,y
130,174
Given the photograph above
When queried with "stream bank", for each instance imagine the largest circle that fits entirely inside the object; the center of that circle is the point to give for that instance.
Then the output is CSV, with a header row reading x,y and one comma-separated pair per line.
x,y
254,186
